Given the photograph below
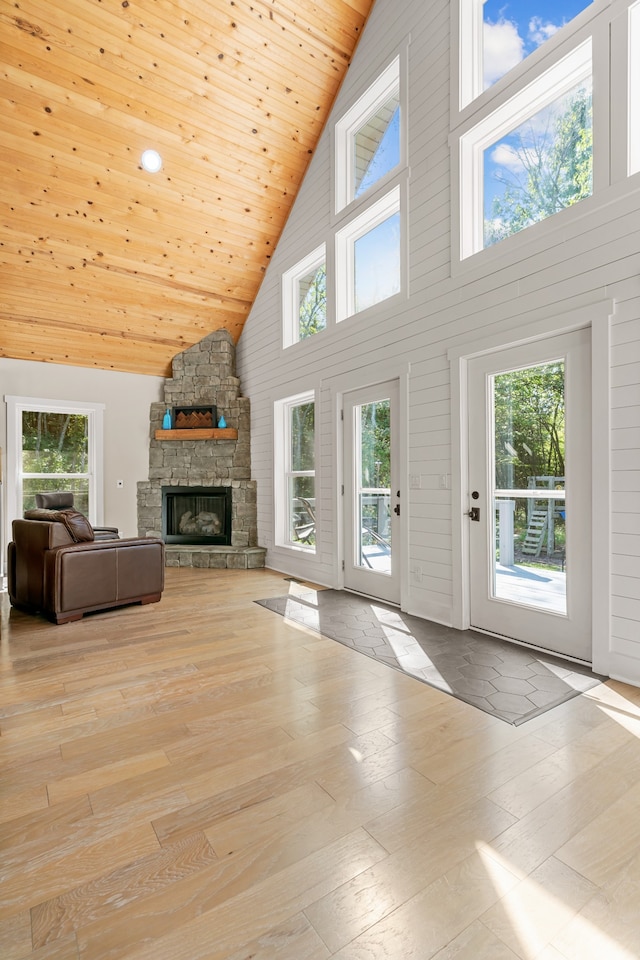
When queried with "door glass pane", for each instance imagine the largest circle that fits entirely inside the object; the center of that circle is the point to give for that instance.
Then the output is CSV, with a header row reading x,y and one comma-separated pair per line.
x,y
374,492
529,524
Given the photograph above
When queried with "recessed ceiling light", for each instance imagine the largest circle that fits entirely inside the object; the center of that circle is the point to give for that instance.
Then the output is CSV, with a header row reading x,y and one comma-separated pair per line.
x,y
151,161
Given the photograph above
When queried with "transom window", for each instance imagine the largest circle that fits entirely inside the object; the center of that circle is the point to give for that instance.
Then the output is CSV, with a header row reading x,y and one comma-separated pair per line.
x,y
495,36
530,157
304,296
368,142
365,267
541,167
368,257
376,145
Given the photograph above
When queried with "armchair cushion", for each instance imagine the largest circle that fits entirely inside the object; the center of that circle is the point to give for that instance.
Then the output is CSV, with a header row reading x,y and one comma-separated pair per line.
x,y
75,522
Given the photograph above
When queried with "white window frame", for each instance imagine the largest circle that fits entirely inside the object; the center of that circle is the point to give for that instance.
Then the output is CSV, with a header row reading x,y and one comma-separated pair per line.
x,y
95,454
291,294
633,119
387,83
346,238
282,467
549,86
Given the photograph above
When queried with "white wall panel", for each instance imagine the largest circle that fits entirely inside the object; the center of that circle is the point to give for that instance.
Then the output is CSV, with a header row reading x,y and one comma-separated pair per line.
x,y
584,256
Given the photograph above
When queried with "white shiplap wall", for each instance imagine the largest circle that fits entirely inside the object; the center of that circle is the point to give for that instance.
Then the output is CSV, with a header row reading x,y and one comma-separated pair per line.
x,y
585,256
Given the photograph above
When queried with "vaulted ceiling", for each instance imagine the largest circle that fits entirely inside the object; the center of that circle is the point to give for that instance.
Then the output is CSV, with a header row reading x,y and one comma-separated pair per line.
x,y
103,264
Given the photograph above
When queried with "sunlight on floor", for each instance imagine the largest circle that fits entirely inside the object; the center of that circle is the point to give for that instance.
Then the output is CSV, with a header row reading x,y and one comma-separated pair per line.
x,y
624,711
531,919
406,648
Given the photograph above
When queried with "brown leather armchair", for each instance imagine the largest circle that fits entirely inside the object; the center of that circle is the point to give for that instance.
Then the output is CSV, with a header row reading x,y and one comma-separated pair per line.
x,y
56,567
63,500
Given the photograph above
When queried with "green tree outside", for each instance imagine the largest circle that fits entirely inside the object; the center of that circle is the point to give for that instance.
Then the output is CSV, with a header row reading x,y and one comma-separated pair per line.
x,y
529,417
556,164
313,303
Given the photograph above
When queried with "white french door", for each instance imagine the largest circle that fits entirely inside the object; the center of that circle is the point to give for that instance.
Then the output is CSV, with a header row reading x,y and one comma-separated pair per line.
x,y
372,492
529,490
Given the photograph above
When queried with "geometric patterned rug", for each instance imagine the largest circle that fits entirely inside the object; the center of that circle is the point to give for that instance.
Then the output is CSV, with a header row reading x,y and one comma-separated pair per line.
x,y
504,679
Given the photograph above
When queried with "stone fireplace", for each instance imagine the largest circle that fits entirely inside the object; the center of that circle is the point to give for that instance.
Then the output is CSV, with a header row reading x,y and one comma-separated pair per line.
x,y
200,497
197,515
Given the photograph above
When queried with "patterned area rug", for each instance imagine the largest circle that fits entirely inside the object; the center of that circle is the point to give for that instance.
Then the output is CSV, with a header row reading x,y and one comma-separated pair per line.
x,y
504,679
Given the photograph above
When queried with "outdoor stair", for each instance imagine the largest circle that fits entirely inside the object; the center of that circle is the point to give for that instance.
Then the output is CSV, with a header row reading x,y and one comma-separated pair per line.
x,y
536,532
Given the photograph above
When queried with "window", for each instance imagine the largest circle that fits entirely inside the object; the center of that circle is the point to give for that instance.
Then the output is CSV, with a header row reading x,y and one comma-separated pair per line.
x,y
368,143
304,297
295,442
55,445
530,157
496,36
541,167
634,88
368,257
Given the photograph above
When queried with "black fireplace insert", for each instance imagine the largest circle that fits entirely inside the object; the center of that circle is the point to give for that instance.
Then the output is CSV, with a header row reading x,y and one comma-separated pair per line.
x,y
196,515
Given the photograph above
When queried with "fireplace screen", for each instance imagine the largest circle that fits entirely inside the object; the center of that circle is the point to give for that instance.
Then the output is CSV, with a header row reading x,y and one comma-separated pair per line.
x,y
196,515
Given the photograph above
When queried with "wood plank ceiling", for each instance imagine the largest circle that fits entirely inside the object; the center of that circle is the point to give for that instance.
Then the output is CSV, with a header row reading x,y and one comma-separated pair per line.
x,y
103,264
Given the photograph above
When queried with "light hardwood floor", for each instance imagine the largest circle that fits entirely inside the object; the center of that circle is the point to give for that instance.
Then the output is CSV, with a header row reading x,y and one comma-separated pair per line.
x,y
201,779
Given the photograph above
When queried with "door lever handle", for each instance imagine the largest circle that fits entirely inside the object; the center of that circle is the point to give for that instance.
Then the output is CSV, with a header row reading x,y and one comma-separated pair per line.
x,y
474,513
396,509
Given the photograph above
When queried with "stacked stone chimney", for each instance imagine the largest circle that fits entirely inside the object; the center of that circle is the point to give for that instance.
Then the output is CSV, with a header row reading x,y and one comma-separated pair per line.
x,y
204,374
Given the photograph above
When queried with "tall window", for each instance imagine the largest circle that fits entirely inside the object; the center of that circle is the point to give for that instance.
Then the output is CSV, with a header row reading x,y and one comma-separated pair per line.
x,y
368,143
496,36
304,298
55,445
295,443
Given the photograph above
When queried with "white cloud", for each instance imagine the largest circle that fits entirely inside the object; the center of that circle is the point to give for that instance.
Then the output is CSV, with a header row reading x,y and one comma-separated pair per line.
x,y
503,49
540,31
505,156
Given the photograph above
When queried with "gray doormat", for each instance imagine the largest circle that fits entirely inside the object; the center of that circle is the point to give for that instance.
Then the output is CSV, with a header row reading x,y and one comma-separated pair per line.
x,y
504,679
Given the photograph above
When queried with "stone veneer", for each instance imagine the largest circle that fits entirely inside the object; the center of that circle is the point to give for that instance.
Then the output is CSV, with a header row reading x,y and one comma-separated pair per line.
x,y
204,374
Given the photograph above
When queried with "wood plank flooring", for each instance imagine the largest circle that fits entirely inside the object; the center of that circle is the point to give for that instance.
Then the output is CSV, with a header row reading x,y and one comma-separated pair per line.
x,y
200,779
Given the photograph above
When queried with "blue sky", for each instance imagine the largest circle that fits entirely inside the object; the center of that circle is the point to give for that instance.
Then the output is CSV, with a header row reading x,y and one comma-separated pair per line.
x,y
515,28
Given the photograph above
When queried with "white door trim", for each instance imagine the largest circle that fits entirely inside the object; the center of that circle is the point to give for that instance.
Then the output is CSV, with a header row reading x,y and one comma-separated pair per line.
x,y
598,317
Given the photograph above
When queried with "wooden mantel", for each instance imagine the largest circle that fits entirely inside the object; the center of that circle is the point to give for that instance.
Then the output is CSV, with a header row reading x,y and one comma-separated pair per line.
x,y
196,433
